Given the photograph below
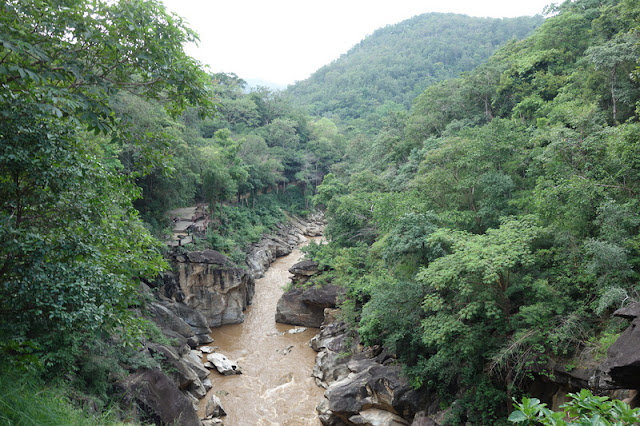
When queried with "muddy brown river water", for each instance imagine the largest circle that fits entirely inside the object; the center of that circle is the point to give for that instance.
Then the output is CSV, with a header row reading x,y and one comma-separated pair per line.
x,y
276,387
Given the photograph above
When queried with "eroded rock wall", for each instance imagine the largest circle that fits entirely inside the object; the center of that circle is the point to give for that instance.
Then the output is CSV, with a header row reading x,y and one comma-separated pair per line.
x,y
208,282
220,293
282,241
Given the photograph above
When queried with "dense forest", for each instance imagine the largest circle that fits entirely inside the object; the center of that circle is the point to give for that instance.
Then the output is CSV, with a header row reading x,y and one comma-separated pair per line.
x,y
389,68
494,229
482,200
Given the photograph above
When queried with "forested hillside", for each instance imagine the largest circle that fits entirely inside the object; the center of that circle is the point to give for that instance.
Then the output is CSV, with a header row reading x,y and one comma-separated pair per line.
x,y
495,228
389,68
253,142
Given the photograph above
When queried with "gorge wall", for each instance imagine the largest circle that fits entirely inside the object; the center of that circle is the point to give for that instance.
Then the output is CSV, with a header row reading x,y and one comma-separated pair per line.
x,y
203,290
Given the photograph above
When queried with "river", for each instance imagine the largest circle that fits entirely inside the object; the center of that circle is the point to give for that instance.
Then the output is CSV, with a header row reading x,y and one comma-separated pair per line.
x,y
276,387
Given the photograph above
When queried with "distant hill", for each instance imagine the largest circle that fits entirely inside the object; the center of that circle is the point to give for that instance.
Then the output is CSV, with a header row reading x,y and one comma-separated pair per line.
x,y
397,62
253,83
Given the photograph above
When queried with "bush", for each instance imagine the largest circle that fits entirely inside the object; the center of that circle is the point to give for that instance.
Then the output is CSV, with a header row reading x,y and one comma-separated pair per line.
x,y
583,409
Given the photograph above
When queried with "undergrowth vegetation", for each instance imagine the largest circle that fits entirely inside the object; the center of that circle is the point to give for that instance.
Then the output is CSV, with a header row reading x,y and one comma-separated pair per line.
x,y
27,401
242,224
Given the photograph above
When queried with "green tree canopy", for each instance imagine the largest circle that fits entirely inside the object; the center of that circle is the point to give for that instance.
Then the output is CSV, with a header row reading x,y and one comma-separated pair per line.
x,y
72,249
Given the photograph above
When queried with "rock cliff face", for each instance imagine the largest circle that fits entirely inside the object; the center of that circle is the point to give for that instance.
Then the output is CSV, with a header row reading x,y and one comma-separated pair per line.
x,y
207,282
617,376
281,242
219,291
159,398
364,386
169,395
621,368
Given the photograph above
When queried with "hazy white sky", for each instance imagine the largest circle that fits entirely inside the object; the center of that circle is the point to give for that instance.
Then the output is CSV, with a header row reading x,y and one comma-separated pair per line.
x,y
283,41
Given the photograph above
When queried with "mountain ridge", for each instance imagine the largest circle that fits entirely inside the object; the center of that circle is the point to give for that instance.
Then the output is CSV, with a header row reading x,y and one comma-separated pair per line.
x,y
397,62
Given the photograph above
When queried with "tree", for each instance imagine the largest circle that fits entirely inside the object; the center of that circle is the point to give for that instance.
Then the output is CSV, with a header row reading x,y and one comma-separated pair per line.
x,y
619,53
264,169
282,132
223,171
72,248
67,58
474,280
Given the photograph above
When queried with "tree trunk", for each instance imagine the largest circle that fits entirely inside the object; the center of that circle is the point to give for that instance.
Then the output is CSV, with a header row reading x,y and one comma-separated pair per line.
x,y
613,96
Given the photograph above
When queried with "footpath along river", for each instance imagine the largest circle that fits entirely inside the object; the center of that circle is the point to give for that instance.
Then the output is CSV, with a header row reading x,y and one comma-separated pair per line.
x,y
276,387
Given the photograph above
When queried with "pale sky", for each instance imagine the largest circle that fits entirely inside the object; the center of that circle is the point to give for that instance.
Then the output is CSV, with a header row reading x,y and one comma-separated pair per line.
x,y
283,41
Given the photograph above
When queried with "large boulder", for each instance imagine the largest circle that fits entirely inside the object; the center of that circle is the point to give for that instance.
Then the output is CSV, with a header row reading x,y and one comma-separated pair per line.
x,y
331,344
167,320
422,419
323,297
213,407
291,309
364,388
159,398
329,368
333,336
194,362
621,368
305,306
177,368
372,385
192,317
376,417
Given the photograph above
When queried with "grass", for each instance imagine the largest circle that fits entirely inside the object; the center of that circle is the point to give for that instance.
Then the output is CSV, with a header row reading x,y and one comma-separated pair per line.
x,y
25,401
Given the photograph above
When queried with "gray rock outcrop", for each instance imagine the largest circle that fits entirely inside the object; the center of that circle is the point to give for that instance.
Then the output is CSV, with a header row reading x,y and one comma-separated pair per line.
x,y
376,417
159,398
617,377
365,388
291,309
168,320
282,241
214,288
178,369
302,271
206,285
213,407
193,318
305,306
621,368
204,290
